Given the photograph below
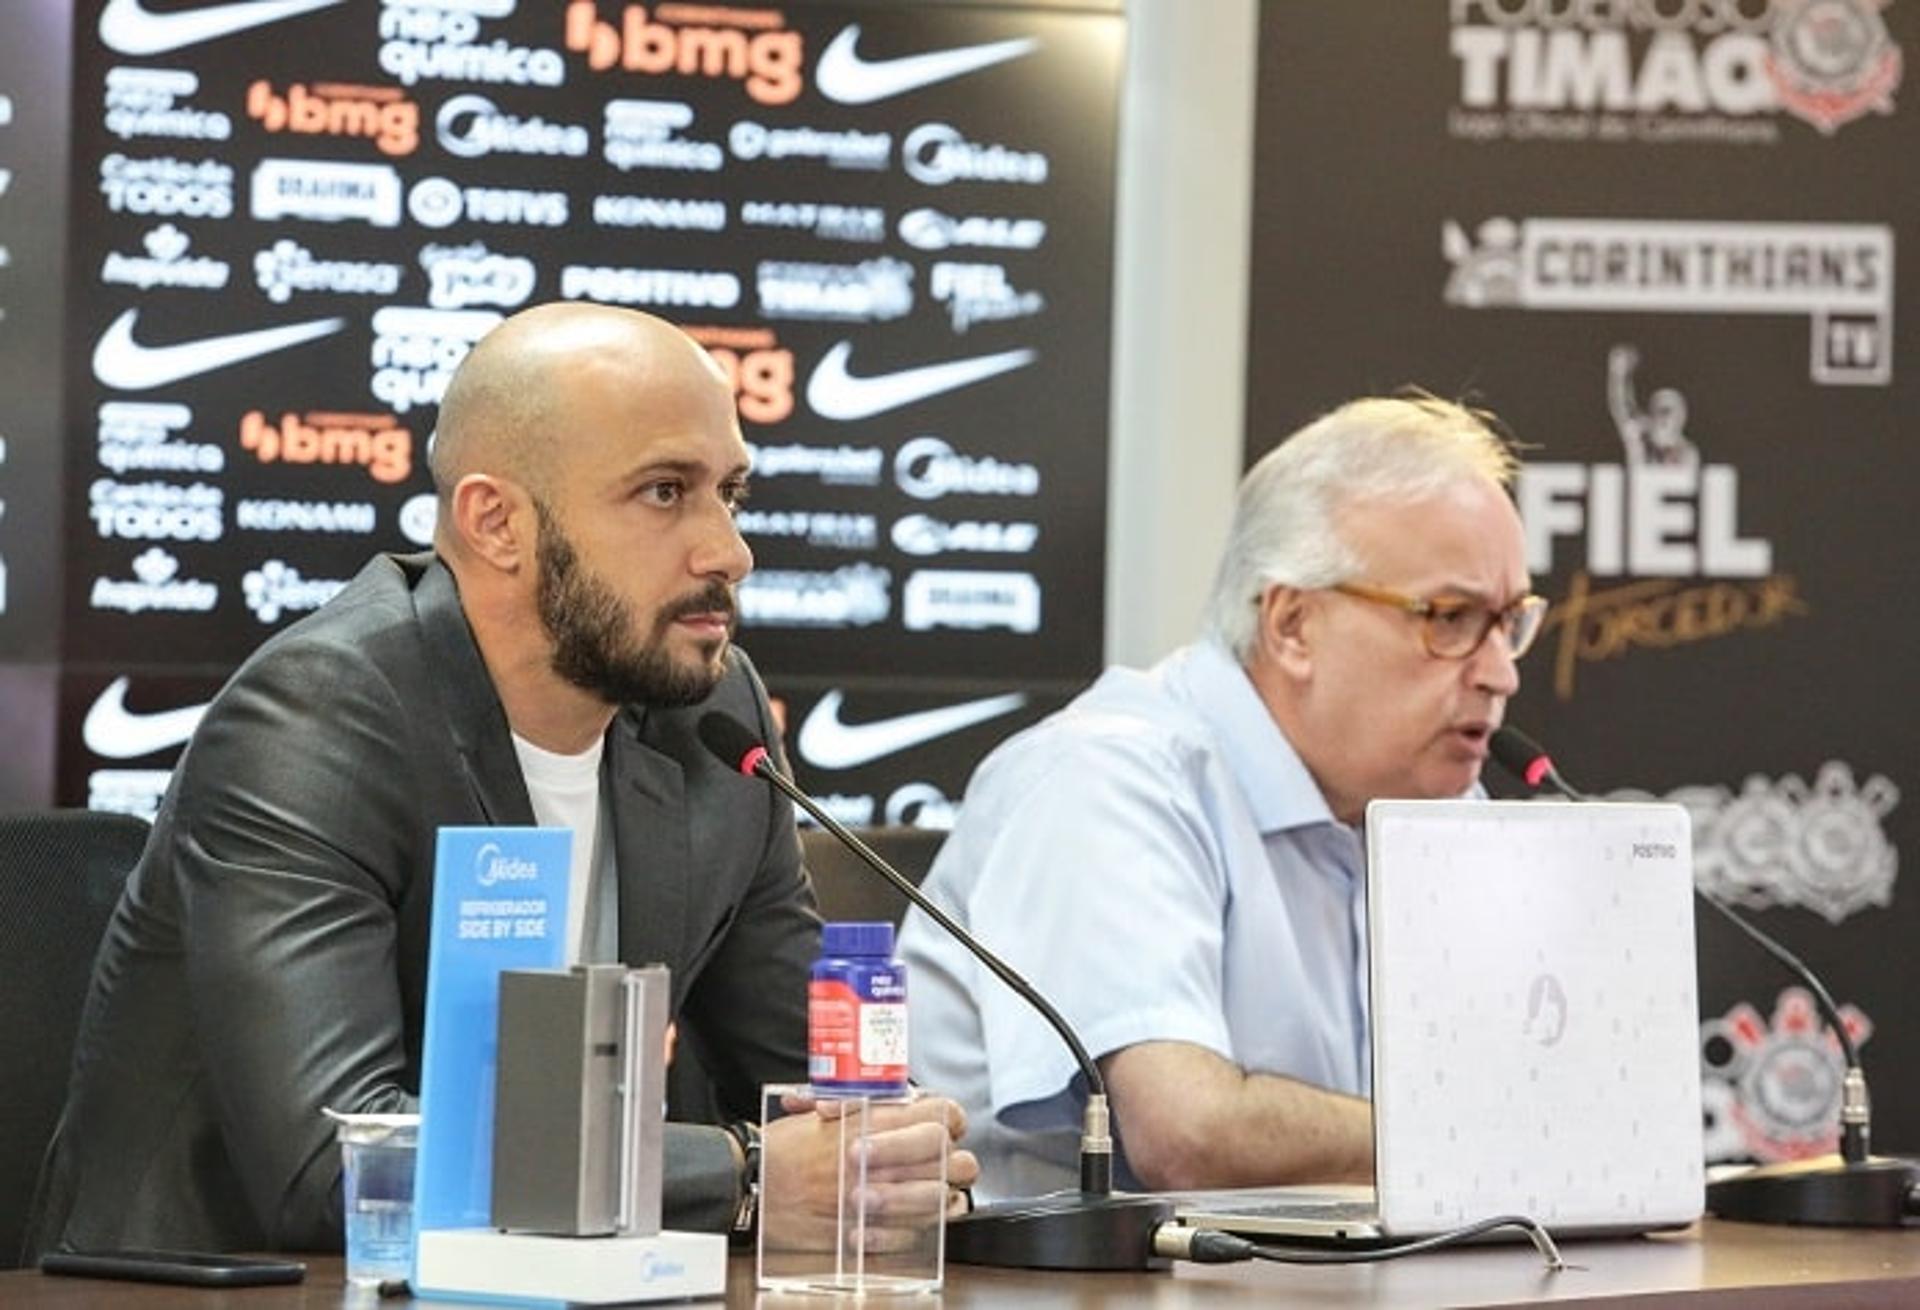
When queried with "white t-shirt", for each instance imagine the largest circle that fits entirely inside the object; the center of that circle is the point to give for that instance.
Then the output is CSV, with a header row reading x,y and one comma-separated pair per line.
x,y
565,791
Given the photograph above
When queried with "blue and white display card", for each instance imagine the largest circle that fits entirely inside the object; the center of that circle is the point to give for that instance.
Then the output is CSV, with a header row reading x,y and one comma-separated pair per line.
x,y
499,902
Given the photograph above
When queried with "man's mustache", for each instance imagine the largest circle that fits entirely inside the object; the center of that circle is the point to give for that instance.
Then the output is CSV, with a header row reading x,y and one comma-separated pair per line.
x,y
714,598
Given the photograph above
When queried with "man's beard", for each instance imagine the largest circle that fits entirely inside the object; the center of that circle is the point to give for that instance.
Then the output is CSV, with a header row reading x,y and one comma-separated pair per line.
x,y
591,628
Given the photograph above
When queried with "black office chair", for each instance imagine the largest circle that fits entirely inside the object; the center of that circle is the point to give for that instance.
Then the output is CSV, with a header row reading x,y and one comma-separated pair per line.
x,y
848,890
60,873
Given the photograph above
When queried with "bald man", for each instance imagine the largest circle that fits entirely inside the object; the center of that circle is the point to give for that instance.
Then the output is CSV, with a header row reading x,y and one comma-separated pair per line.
x,y
545,663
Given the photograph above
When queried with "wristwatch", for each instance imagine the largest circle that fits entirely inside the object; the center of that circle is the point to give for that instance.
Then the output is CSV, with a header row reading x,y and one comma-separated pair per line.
x,y
748,1136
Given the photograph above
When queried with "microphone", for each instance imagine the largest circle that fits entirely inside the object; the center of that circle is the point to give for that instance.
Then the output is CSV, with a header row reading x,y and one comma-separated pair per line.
x,y
1859,1191
1090,1229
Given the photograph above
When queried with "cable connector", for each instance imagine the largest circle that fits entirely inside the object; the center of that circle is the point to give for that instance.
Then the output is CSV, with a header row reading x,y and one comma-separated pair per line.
x,y
1202,1246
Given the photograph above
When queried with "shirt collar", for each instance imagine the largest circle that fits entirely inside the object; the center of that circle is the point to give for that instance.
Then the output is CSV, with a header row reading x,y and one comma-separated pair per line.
x,y
1280,792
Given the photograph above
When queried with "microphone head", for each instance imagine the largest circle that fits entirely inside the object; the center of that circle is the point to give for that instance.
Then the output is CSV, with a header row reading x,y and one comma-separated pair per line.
x,y
1520,755
731,740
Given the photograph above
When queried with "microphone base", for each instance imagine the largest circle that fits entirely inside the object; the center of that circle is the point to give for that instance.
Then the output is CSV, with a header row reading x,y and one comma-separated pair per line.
x,y
1068,1230
1878,1193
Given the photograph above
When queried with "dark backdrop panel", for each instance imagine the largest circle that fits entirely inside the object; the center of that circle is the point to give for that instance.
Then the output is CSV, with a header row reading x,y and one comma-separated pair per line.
x,y
1666,257
287,235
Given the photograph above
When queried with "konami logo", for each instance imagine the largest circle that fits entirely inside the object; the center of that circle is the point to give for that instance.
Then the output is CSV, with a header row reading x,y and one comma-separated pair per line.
x,y
759,368
374,441
757,49
380,113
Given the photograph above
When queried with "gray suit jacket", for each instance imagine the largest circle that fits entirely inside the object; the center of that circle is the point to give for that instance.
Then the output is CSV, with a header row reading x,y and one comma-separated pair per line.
x,y
269,955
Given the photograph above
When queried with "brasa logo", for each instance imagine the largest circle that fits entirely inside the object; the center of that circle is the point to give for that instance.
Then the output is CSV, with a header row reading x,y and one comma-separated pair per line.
x,y
373,441
757,50
379,113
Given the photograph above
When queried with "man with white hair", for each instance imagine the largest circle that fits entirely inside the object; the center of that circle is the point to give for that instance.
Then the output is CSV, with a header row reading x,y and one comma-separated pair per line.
x,y
1175,858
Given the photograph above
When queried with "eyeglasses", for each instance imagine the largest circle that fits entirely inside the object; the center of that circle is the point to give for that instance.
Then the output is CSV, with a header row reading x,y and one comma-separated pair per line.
x,y
1454,628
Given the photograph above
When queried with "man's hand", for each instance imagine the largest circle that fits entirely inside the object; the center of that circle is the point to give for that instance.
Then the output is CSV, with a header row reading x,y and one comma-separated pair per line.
x,y
817,1169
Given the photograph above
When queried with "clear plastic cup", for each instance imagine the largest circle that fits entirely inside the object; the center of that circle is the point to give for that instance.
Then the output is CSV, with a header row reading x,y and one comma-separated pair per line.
x,y
378,1152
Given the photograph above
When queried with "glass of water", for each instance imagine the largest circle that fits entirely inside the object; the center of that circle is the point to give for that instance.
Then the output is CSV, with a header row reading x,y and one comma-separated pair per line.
x,y
378,1152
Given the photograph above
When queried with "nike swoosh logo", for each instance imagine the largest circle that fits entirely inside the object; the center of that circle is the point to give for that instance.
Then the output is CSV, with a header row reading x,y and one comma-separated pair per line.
x,y
844,76
835,393
827,743
114,732
127,27
124,364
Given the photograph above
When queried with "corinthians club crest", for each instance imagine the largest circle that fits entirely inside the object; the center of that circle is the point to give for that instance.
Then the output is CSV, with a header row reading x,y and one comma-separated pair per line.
x,y
1832,61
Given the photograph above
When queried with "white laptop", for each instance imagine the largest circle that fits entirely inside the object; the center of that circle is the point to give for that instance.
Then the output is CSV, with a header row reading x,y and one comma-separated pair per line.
x,y
1535,1027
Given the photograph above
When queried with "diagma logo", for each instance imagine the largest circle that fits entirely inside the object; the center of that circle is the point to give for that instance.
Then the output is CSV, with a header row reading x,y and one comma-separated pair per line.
x,y
821,530
472,125
124,364
288,266
828,222
1840,274
756,49
129,28
759,368
826,742
381,114
164,265
276,589
845,77
156,587
144,102
326,193
835,393
873,291
114,732
1664,517
1695,73
166,187
439,40
373,441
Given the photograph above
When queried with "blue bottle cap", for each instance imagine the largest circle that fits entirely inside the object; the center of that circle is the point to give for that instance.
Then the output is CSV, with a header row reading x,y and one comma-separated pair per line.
x,y
857,939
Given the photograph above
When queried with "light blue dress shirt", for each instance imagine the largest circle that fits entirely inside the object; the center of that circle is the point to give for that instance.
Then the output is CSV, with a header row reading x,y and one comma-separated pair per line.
x,y
1157,860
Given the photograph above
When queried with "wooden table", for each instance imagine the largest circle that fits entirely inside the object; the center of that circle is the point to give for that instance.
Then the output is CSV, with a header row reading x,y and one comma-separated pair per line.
x,y
1715,1266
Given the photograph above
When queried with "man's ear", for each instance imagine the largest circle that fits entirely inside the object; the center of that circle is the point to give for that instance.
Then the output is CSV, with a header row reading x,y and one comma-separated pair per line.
x,y
1285,637
493,521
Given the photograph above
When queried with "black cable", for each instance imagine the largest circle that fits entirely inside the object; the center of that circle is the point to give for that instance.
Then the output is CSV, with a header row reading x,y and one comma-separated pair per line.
x,y
1212,1246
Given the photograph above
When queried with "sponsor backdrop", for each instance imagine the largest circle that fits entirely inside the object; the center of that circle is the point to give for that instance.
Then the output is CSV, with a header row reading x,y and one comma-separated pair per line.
x,y
1659,239
890,223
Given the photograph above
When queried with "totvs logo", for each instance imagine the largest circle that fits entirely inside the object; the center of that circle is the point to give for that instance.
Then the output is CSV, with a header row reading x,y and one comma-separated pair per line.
x,y
767,62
